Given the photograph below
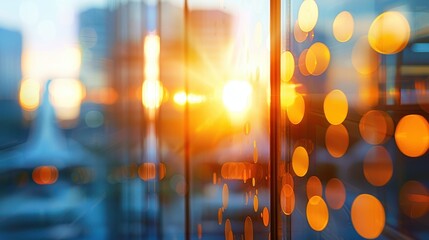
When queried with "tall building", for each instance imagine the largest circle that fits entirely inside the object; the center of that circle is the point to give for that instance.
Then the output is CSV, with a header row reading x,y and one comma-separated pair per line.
x,y
10,63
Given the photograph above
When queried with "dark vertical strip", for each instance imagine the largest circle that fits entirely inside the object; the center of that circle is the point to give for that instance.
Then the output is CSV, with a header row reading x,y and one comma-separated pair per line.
x,y
186,130
275,37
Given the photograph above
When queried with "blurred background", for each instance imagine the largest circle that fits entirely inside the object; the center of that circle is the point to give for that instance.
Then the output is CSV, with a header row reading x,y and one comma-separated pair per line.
x,y
214,119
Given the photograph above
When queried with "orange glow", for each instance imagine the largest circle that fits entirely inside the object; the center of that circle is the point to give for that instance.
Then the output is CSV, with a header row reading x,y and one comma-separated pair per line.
x,y
248,229
414,199
301,63
308,15
412,135
66,96
364,59
335,107
389,33
376,127
300,161
317,58
228,230
147,171
181,97
225,196
335,193
287,66
237,96
45,175
368,216
317,213
287,94
265,216
219,216
287,179
298,34
255,152
314,187
255,203
296,110
378,166
337,140
29,94
287,199
343,26
239,170
200,231
152,94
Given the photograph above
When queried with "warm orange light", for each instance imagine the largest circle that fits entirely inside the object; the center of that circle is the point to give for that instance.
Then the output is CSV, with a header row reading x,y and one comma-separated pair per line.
x,y
151,57
301,63
66,96
248,229
147,171
299,35
389,33
225,196
412,135
296,110
317,213
265,216
337,140
287,94
335,193
335,107
376,127
45,175
228,230
308,15
219,216
152,94
29,94
368,216
343,26
237,96
317,58
378,166
414,199
255,203
314,187
181,98
300,161
287,199
287,66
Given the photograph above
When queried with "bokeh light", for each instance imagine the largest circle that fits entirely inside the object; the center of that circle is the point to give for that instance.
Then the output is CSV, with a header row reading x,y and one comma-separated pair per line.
x,y
378,166
335,107
299,35
29,94
317,213
368,216
225,196
414,199
265,216
300,161
364,59
45,175
317,58
389,33
296,110
308,15
301,63
152,94
314,187
228,230
376,127
255,203
287,66
337,140
287,95
287,199
343,26
66,95
335,193
412,135
248,229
